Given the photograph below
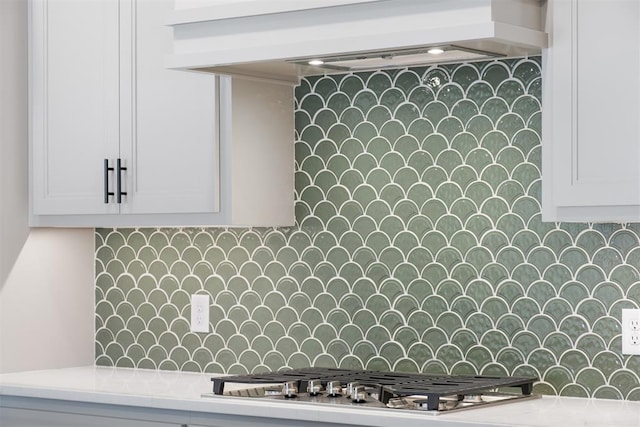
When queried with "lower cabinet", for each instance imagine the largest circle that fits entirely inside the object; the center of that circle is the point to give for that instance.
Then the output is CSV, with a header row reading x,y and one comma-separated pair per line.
x,y
34,412
10,417
122,416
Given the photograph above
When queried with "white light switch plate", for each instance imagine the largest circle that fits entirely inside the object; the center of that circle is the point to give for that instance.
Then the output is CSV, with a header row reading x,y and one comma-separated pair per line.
x,y
630,331
199,313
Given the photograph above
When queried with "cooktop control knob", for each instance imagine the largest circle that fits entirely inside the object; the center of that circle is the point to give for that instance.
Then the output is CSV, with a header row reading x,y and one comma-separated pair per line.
x,y
358,395
334,389
351,388
289,389
473,398
314,388
397,403
422,404
273,392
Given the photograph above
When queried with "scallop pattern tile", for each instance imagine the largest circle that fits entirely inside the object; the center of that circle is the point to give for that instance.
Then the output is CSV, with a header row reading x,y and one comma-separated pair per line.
x,y
418,246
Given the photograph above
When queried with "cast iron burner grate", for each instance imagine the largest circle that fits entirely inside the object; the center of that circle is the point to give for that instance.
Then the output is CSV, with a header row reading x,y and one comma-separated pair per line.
x,y
389,384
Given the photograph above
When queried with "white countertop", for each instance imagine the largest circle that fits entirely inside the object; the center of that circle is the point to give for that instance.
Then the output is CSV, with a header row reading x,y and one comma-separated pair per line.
x,y
182,391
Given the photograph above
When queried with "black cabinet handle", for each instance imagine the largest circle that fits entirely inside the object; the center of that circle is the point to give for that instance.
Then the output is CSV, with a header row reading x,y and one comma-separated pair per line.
x,y
107,169
119,192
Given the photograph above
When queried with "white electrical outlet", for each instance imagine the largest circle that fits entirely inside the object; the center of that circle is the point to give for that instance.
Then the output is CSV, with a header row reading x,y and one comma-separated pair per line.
x,y
630,331
199,313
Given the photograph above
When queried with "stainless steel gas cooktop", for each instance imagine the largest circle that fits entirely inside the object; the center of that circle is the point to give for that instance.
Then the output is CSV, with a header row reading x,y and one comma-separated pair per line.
x,y
430,393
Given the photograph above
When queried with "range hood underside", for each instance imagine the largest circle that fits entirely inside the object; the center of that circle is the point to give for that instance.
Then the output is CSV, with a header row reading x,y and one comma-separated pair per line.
x,y
290,69
380,34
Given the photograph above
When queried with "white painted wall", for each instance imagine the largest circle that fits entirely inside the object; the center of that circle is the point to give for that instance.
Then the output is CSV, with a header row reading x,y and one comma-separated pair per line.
x,y
13,132
46,275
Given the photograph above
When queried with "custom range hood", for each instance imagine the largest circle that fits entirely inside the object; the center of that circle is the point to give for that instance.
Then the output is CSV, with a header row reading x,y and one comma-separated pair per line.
x,y
283,40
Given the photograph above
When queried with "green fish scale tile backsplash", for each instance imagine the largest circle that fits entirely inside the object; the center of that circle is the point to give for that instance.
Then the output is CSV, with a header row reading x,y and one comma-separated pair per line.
x,y
418,246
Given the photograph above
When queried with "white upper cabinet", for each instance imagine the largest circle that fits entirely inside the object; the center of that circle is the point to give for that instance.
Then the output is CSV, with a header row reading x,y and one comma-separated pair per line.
x,y
74,104
101,96
101,92
168,133
591,112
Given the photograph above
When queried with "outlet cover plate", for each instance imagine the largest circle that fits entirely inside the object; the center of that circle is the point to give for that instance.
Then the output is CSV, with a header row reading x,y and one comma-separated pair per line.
x,y
630,331
200,313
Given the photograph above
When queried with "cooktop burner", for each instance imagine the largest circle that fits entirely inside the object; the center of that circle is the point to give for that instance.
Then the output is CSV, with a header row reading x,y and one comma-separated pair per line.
x,y
433,393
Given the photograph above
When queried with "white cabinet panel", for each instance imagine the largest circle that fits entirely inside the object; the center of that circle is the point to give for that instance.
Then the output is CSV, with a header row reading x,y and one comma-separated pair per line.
x,y
74,103
607,99
169,124
591,134
11,417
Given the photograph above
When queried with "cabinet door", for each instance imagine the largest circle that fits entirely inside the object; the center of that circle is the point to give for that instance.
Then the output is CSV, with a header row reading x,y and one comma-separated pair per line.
x,y
169,135
11,417
591,149
74,103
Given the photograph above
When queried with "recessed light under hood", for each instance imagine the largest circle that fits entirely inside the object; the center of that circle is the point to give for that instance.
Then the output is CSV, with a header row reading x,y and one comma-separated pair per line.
x,y
396,58
277,39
